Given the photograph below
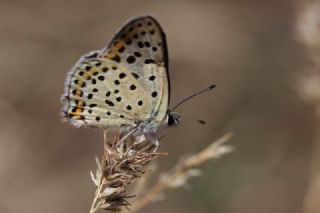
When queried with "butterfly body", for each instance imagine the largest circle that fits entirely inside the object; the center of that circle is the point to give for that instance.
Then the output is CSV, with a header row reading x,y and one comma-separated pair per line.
x,y
124,85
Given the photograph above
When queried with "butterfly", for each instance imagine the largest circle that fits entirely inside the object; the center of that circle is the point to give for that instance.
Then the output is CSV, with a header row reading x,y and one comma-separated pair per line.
x,y
124,85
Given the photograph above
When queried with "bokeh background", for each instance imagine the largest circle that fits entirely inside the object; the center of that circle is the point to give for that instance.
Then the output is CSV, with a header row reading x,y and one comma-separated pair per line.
x,y
253,50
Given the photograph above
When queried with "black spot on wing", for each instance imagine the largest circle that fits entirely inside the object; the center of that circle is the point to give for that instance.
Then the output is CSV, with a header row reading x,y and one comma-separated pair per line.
x,y
135,75
109,103
131,59
154,94
122,75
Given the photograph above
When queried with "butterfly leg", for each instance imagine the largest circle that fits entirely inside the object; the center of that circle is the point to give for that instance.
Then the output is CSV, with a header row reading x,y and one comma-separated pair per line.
x,y
154,140
135,128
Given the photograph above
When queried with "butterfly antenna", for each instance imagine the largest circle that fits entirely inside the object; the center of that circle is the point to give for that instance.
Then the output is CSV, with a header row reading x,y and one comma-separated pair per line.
x,y
200,121
191,96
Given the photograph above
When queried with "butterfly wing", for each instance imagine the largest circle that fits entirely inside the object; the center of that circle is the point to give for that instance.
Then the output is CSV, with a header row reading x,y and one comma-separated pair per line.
x,y
123,84
141,47
139,42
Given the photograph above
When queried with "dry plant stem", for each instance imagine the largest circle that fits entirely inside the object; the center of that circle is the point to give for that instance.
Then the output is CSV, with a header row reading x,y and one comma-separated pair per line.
x,y
94,203
178,176
308,24
105,146
122,163
101,184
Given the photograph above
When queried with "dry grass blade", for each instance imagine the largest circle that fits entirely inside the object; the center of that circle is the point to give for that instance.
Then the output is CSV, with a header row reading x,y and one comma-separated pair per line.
x,y
308,28
185,169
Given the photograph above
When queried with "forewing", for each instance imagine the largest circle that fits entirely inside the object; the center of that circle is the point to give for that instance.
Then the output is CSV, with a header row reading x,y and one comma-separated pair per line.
x,y
140,46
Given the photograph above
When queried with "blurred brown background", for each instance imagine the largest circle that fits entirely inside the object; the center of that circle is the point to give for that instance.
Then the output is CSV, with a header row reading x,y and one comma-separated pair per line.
x,y
249,49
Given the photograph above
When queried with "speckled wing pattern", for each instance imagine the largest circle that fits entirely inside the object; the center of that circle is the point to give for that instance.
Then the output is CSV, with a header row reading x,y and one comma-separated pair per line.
x,y
123,84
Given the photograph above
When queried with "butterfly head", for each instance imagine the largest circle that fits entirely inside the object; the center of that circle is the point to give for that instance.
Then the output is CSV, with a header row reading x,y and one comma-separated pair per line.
x,y
173,118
